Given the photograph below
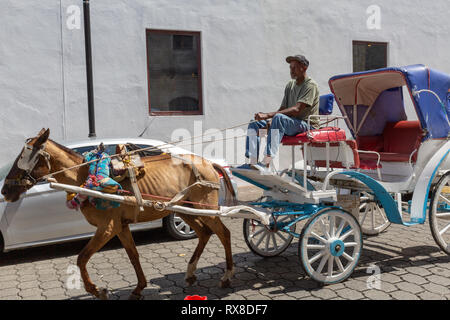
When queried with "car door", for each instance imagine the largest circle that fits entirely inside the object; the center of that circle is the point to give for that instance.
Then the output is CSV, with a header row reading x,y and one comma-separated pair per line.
x,y
41,214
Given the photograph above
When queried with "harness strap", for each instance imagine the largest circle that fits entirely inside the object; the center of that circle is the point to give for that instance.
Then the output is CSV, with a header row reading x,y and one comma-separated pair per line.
x,y
185,192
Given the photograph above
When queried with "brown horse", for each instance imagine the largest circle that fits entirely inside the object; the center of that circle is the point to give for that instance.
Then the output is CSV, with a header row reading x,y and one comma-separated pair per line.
x,y
163,177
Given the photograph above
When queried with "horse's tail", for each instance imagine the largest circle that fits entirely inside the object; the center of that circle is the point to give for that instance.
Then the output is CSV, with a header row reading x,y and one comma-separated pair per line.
x,y
226,177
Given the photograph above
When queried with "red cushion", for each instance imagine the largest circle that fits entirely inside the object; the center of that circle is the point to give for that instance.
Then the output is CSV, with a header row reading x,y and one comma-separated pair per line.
x,y
370,143
327,134
402,137
385,156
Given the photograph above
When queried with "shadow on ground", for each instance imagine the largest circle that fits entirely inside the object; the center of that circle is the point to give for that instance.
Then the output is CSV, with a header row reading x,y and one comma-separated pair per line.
x,y
275,276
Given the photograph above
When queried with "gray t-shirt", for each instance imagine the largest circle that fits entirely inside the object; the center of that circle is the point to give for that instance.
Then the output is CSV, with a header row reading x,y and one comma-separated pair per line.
x,y
308,93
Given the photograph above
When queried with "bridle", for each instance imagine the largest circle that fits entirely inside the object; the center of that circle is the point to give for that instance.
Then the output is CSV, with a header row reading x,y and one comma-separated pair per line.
x,y
27,162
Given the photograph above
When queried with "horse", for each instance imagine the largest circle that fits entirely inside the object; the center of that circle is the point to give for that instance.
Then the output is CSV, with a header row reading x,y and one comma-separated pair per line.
x,y
42,156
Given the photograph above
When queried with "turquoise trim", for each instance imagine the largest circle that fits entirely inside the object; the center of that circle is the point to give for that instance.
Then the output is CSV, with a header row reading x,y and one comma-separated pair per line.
x,y
388,203
333,246
257,184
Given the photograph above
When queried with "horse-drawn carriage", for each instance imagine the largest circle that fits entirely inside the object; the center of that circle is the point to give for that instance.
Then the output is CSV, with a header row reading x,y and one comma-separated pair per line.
x,y
392,166
392,163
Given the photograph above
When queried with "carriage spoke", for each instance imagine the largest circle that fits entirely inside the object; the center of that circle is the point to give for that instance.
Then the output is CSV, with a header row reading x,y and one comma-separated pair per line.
x,y
322,263
346,235
340,228
346,256
267,242
332,226
315,246
279,234
339,264
445,229
264,235
364,216
316,257
372,215
351,244
445,199
257,232
325,230
330,265
315,235
274,241
443,214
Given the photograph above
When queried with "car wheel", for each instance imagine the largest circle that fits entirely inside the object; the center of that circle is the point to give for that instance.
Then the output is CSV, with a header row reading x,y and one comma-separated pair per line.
x,y
177,228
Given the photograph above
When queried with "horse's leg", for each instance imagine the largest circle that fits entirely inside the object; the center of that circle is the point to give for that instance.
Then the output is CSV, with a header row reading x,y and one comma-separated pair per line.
x,y
217,226
100,238
127,241
203,233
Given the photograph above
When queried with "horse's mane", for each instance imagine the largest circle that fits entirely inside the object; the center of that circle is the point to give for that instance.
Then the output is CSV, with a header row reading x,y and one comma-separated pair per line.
x,y
68,150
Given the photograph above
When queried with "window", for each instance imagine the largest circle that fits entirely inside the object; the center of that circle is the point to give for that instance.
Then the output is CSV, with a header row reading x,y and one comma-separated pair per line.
x,y
369,55
174,72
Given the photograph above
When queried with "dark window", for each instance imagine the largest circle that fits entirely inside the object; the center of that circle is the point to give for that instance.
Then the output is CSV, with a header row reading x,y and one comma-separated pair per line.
x,y
182,42
369,55
174,72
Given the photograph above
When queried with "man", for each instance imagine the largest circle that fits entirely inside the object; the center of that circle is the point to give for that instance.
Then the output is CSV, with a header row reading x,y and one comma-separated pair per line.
x,y
301,99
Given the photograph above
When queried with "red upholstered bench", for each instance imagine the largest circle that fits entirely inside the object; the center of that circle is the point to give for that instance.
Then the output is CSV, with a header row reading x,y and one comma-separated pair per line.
x,y
327,134
343,153
399,140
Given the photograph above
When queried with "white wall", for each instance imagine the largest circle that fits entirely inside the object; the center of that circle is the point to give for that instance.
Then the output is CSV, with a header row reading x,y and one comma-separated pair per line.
x,y
244,44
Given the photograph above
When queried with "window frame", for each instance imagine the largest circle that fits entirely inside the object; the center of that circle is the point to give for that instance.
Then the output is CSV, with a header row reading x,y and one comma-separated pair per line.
x,y
385,43
199,68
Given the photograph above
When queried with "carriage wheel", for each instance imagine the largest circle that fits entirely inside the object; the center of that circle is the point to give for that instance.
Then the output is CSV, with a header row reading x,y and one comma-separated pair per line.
x,y
330,245
267,241
439,213
372,217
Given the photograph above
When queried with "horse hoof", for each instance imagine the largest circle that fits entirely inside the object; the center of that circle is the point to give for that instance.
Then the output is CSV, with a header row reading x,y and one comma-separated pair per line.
x,y
136,297
191,280
103,294
225,283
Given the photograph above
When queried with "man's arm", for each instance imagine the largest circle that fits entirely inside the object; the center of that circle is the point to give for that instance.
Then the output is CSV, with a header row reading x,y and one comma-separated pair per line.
x,y
291,112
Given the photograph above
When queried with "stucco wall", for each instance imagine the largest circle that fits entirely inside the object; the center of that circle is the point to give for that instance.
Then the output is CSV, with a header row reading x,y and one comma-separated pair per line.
x,y
244,43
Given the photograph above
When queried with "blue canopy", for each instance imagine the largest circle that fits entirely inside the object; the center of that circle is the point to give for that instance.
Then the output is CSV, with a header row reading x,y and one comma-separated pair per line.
x,y
369,99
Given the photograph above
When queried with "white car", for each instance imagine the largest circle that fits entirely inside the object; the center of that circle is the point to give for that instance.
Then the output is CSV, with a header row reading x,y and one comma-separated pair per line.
x,y
40,216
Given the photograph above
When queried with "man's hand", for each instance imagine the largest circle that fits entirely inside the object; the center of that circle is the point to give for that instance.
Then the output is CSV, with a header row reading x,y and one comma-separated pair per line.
x,y
262,116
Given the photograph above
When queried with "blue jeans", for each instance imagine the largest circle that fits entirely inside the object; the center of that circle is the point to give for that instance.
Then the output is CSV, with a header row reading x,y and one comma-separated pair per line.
x,y
281,125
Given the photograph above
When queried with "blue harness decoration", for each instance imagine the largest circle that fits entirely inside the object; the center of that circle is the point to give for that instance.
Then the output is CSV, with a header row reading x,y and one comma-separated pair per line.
x,y
98,179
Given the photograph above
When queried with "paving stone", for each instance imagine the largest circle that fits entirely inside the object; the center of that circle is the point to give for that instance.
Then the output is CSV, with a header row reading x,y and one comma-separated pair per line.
x,y
349,294
439,280
324,294
374,294
409,287
436,288
414,279
403,295
426,295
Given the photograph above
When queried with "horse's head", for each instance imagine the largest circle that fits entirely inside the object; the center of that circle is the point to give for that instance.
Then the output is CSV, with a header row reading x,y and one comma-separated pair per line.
x,y
31,164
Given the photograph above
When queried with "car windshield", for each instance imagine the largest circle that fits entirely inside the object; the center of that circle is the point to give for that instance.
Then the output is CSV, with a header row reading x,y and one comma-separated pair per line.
x,y
5,169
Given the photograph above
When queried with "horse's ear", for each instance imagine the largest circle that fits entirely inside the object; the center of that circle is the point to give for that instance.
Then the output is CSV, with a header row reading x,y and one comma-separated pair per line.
x,y
41,132
43,136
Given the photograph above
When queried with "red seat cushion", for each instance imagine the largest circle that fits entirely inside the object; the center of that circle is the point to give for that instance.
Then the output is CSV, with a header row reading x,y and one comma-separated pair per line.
x,y
328,134
398,141
385,156
402,137
370,143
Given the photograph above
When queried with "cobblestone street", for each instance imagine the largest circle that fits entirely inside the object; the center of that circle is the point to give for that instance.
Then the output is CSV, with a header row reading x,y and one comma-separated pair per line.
x,y
412,267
